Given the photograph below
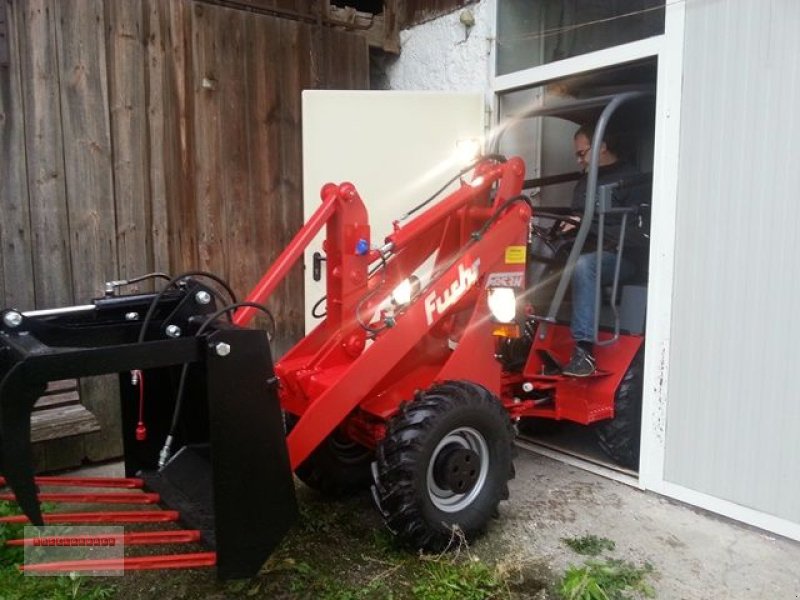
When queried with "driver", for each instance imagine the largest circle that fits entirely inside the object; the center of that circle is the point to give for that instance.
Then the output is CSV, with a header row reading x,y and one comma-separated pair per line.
x,y
584,278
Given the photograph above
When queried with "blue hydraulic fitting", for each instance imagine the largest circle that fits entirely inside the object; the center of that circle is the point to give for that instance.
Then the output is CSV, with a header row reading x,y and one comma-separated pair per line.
x,y
362,247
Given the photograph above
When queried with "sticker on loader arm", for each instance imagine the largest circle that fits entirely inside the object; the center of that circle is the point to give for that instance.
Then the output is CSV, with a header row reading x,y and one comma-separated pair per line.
x,y
515,255
435,303
512,280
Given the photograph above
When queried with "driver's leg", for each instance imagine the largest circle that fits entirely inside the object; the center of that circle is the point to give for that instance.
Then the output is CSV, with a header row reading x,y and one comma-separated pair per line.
x,y
584,285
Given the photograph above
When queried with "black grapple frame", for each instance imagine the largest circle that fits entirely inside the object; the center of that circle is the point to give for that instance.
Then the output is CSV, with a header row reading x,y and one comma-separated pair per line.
x,y
230,478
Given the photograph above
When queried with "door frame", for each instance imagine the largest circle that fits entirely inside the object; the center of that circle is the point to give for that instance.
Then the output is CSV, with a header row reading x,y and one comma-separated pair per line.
x,y
667,49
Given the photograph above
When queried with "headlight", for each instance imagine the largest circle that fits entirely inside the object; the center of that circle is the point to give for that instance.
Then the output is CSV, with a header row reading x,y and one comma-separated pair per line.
x,y
503,304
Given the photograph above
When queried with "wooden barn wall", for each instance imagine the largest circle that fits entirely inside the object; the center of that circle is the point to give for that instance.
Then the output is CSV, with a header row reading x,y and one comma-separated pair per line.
x,y
143,135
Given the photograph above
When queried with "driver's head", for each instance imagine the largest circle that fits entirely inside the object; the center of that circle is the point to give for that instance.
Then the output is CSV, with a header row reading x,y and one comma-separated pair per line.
x,y
582,142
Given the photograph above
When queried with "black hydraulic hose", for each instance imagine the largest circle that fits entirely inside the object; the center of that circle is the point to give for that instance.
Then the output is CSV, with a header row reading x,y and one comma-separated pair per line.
x,y
495,157
314,308
154,303
369,295
234,306
156,275
496,215
176,413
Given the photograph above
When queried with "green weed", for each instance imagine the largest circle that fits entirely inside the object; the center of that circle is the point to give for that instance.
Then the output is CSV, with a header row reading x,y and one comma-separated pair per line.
x,y
449,580
589,545
609,579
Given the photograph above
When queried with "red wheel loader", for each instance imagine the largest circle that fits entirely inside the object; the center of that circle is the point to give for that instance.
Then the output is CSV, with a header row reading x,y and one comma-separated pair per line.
x,y
404,386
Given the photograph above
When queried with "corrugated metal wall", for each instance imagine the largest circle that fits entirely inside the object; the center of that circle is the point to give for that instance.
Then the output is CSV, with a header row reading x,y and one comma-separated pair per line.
x,y
733,413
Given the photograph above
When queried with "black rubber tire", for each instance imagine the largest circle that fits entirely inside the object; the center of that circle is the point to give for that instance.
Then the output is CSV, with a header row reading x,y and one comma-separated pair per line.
x,y
404,464
338,467
620,437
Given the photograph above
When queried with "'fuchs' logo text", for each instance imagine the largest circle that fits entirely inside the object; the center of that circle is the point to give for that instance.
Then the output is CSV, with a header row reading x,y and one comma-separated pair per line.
x,y
438,304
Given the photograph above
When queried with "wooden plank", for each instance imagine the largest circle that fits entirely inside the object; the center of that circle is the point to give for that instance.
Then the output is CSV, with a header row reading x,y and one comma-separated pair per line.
x,y
100,395
265,95
345,60
233,150
155,73
206,76
61,385
52,263
127,102
16,260
87,145
57,400
62,422
89,175
58,454
170,123
156,61
297,73
4,42
183,117
288,8
263,106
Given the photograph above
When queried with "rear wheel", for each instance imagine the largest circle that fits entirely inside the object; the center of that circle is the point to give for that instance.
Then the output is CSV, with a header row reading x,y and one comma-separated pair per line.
x,y
620,437
444,465
338,467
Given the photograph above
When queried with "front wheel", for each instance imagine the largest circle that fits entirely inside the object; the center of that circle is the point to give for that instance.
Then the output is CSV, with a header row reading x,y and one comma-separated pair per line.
x,y
444,465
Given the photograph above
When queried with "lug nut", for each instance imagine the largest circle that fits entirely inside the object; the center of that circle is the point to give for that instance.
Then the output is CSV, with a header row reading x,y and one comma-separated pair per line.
x,y
202,297
527,387
222,349
131,316
173,331
12,319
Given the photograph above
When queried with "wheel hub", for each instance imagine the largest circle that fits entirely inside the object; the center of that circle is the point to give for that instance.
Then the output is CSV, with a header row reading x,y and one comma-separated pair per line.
x,y
457,469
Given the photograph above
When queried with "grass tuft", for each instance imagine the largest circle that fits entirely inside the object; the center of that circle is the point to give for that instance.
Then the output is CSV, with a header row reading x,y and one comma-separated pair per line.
x,y
610,579
589,545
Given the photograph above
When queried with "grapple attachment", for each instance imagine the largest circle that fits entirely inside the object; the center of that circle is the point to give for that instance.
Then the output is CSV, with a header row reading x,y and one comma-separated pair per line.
x,y
229,477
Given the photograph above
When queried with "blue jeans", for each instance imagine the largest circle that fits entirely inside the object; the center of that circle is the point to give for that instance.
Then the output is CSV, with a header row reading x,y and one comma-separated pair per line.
x,y
584,280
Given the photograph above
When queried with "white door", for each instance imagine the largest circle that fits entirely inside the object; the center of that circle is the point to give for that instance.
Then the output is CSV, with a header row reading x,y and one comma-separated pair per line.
x,y
397,148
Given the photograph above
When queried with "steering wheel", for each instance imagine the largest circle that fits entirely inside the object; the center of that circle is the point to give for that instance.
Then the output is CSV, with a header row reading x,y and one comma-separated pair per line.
x,y
564,228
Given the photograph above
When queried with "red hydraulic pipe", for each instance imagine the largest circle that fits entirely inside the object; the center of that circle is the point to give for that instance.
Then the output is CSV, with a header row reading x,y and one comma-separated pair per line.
x,y
290,254
135,498
136,563
137,538
104,482
104,517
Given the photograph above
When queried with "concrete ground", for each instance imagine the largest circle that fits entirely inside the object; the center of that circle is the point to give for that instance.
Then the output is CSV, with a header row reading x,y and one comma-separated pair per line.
x,y
696,555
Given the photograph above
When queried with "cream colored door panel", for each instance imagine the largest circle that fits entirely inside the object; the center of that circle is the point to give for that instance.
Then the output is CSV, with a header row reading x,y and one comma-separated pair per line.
x,y
396,147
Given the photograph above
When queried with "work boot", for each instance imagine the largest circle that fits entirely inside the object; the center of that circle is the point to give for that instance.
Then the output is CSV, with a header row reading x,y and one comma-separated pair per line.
x,y
581,364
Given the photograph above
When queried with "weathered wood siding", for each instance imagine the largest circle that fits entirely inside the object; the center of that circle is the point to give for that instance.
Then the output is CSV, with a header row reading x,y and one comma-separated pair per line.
x,y
144,135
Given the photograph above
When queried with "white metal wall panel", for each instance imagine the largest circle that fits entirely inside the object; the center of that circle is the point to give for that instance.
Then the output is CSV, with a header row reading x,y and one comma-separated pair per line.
x,y
733,413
